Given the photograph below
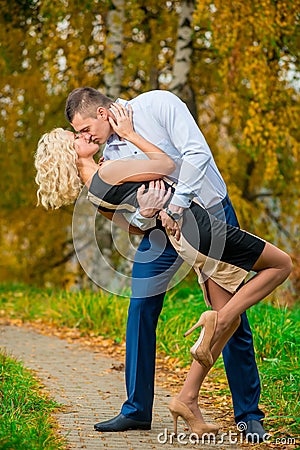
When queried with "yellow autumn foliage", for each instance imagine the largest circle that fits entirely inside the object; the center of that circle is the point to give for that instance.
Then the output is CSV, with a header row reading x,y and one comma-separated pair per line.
x,y
244,80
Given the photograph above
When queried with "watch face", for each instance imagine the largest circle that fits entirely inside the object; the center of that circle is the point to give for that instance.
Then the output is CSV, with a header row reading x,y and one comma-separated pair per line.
x,y
176,216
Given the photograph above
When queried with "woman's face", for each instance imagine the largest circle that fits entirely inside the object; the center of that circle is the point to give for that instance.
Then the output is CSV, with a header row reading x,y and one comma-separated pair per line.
x,y
83,148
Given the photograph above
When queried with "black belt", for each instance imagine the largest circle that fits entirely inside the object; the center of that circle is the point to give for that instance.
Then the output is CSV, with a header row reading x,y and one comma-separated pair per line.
x,y
214,209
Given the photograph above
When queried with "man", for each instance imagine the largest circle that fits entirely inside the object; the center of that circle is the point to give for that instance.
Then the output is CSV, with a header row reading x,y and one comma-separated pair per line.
x,y
164,119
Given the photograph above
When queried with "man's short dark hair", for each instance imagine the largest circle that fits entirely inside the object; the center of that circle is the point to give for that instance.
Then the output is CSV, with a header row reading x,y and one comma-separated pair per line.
x,y
85,100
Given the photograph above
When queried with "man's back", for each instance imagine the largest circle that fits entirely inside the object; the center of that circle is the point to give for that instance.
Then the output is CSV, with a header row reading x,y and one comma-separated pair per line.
x,y
162,118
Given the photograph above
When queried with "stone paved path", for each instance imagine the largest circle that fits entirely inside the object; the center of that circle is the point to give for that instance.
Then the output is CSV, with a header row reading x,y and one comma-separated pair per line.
x,y
91,388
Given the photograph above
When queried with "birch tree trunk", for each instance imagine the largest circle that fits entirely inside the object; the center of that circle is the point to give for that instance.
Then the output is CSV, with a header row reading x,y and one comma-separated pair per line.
x,y
114,47
182,61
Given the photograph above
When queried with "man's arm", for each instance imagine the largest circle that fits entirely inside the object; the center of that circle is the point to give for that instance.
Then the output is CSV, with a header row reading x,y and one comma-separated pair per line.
x,y
185,135
120,221
151,204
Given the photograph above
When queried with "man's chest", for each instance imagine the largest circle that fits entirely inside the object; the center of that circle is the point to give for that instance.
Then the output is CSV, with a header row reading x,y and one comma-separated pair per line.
x,y
116,149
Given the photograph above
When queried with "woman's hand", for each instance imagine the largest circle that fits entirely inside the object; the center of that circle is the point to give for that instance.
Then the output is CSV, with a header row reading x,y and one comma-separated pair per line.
x,y
152,201
101,160
170,225
122,122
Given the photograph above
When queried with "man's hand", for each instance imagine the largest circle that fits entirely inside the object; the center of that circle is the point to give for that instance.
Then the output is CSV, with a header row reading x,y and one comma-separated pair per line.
x,y
171,225
152,201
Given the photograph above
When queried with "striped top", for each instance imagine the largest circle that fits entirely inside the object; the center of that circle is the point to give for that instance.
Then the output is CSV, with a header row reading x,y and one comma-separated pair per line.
x,y
120,197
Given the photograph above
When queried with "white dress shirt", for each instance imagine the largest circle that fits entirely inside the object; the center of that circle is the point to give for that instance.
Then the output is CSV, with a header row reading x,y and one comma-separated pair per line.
x,y
163,119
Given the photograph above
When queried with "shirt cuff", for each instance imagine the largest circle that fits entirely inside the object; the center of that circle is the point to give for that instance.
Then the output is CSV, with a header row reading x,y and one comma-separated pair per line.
x,y
182,200
139,221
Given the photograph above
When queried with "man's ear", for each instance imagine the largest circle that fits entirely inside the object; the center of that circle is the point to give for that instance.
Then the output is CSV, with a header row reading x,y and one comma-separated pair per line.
x,y
102,113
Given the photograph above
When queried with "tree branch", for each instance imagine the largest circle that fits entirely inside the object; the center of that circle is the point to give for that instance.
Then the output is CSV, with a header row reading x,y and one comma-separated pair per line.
x,y
280,227
69,255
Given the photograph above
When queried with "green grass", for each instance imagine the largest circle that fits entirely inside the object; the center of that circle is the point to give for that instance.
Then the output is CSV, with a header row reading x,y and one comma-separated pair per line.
x,y
276,340
275,331
99,313
25,422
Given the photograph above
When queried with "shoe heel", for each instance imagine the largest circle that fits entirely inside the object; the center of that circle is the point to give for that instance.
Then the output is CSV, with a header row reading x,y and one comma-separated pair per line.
x,y
198,324
194,327
196,425
201,351
175,418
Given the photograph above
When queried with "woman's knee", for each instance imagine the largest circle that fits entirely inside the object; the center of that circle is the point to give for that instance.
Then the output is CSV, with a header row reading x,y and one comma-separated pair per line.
x,y
286,265
283,263
274,258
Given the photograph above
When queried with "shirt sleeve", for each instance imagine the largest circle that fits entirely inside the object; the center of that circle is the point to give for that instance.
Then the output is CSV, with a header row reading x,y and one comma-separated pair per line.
x,y
187,138
139,221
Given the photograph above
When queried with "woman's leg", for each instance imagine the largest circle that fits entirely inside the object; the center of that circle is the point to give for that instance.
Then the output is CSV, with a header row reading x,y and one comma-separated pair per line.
x,y
272,267
189,393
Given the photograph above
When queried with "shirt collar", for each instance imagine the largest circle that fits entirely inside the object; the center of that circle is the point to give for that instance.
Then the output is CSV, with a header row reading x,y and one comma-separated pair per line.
x,y
122,102
114,139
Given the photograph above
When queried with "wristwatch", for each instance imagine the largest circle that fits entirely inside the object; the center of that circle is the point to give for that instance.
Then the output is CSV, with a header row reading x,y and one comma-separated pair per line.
x,y
174,215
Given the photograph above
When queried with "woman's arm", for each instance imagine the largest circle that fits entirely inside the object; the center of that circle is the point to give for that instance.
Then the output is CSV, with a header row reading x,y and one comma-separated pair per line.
x,y
120,171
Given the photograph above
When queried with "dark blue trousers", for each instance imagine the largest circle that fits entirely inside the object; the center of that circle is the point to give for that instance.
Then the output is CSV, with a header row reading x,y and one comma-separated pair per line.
x,y
155,263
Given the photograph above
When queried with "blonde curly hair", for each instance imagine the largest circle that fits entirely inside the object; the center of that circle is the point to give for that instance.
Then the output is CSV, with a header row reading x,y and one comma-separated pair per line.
x,y
57,174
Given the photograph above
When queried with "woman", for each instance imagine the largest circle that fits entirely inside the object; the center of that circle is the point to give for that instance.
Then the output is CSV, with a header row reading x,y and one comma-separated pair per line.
x,y
223,253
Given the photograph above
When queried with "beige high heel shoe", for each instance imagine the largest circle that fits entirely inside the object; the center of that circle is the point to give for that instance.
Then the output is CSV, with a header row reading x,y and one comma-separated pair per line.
x,y
179,409
201,349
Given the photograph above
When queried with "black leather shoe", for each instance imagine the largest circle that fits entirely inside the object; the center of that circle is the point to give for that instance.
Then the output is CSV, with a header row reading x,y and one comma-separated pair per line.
x,y
122,423
255,432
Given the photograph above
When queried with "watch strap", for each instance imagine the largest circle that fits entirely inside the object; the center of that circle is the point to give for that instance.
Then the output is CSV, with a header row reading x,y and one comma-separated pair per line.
x,y
175,216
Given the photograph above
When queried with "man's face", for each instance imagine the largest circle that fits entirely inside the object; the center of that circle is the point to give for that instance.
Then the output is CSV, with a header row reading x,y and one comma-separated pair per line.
x,y
96,130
